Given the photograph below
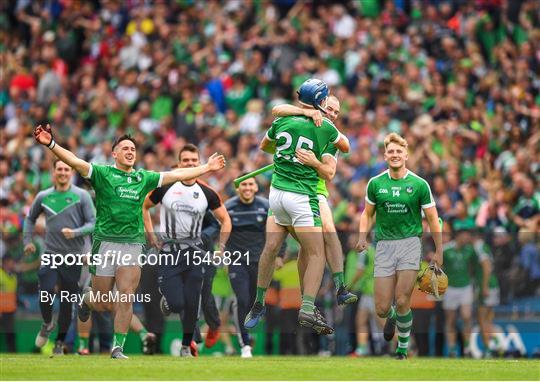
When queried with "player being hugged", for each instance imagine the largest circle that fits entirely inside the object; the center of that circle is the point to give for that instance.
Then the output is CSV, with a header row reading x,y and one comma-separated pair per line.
x,y
120,192
294,202
397,198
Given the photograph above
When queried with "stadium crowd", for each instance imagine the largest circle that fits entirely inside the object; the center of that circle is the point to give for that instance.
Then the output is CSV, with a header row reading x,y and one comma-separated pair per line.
x,y
459,80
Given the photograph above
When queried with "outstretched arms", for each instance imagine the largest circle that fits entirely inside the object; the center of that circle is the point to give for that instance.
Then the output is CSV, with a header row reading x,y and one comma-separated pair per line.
x,y
215,162
44,136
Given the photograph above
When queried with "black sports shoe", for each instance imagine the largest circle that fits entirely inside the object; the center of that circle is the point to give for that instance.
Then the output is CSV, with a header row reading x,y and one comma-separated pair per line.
x,y
149,344
58,349
255,315
401,356
316,321
389,329
344,297
83,311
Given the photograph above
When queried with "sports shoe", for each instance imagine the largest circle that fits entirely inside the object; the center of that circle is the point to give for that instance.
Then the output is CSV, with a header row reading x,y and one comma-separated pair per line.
x,y
316,321
149,344
185,351
344,297
400,356
83,311
43,336
389,329
246,352
84,351
211,337
194,349
118,353
164,306
255,315
58,349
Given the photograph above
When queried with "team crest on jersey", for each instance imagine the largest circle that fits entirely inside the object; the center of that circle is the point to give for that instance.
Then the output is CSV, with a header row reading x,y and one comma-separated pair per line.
x,y
260,218
69,200
139,177
196,194
409,189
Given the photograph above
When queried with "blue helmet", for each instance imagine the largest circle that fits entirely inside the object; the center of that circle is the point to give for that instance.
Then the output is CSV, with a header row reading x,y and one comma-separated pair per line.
x,y
313,92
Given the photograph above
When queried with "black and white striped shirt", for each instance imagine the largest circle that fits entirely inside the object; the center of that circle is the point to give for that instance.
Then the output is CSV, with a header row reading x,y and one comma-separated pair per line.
x,y
183,208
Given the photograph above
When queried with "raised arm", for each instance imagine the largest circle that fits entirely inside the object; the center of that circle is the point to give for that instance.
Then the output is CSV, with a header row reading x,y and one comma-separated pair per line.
x,y
286,110
215,162
44,136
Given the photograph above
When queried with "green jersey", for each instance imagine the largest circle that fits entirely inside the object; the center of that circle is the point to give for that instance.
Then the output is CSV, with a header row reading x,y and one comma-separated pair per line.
x,y
398,204
292,133
119,199
483,252
330,150
458,264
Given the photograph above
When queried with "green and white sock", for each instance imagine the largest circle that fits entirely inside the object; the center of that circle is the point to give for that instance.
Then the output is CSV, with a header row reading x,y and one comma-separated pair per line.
x,y
308,304
119,340
391,314
83,343
361,350
339,280
404,326
142,333
261,293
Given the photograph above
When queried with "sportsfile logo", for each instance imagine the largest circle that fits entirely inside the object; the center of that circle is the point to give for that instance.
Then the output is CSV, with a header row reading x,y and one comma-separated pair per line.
x,y
119,258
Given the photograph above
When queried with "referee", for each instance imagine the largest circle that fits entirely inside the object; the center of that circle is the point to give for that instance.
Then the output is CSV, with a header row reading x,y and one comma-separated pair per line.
x,y
69,215
248,214
183,207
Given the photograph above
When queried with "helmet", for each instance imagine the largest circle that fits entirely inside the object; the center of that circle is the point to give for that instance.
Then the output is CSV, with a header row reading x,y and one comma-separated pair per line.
x,y
432,280
313,92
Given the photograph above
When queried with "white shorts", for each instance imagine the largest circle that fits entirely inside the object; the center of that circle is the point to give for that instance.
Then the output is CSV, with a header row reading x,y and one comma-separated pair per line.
x,y
456,297
493,298
115,255
292,209
367,303
397,255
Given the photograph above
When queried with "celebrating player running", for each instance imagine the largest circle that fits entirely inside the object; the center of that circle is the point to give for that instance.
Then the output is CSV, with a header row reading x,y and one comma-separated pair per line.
x,y
120,192
397,197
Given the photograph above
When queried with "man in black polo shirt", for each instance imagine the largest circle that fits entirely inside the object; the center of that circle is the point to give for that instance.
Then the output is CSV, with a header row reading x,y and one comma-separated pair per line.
x,y
248,214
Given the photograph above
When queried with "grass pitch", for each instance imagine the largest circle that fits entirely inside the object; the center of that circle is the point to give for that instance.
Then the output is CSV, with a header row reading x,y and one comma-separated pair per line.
x,y
138,367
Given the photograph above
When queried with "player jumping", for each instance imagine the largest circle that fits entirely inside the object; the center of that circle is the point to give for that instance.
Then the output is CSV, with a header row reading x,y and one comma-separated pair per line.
x,y
326,168
294,203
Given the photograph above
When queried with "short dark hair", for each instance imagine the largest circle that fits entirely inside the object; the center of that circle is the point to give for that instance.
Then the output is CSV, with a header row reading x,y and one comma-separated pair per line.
x,y
125,137
55,161
252,177
188,147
